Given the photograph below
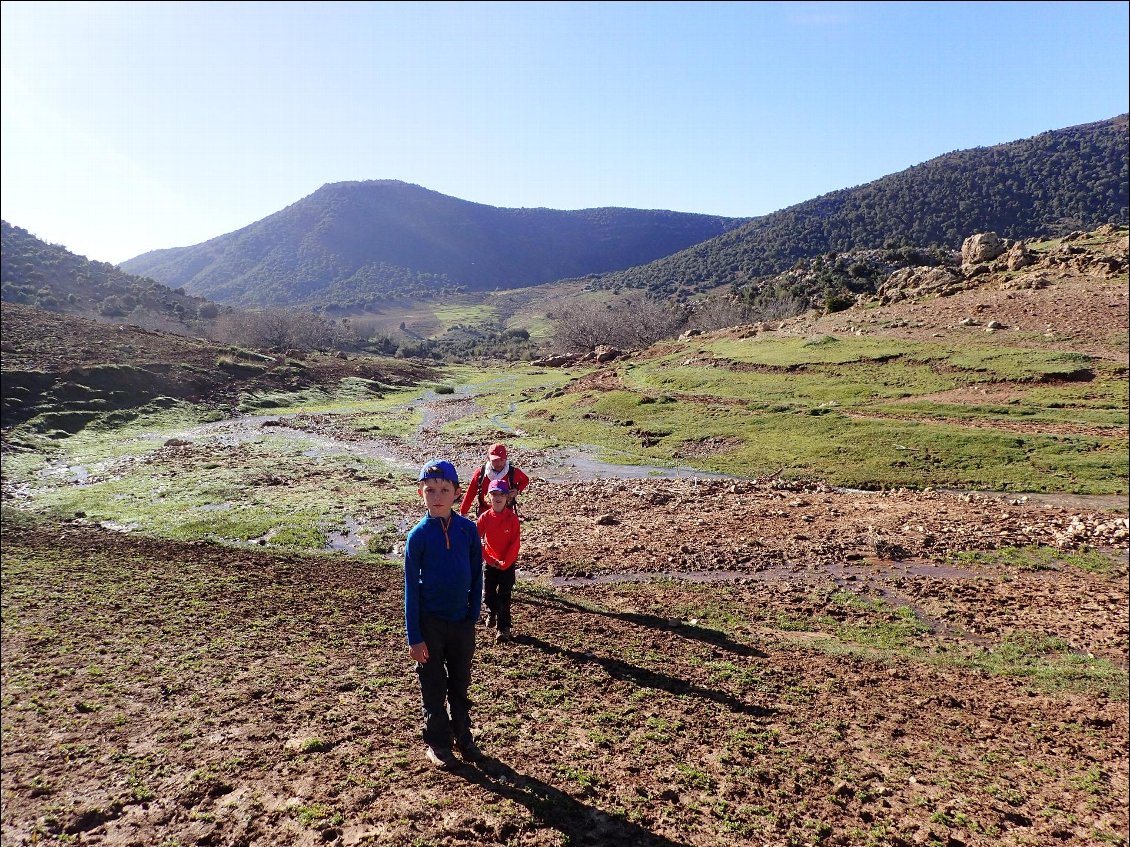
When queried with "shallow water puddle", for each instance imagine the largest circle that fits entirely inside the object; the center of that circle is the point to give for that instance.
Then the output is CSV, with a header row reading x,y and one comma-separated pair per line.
x,y
348,540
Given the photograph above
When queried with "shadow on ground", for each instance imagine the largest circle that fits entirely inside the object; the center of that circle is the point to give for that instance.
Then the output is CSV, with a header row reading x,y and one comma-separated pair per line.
x,y
699,633
582,825
644,678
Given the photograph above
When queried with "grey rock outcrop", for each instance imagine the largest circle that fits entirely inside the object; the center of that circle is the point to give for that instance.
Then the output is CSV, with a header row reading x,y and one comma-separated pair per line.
x,y
1019,257
982,247
908,283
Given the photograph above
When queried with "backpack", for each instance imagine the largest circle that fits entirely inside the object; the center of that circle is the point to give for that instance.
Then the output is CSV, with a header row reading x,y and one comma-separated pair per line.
x,y
484,481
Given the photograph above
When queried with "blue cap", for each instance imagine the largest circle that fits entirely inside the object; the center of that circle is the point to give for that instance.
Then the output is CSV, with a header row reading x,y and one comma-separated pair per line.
x,y
439,469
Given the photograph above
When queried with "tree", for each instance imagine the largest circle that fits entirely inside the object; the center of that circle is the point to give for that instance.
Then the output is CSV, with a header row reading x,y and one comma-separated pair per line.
x,y
631,322
275,329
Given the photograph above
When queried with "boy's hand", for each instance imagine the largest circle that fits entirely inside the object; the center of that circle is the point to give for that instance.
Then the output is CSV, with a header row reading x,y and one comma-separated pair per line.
x,y
419,652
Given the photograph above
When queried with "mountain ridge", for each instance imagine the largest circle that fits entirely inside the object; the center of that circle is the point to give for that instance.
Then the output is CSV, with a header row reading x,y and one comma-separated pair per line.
x,y
1071,179
376,239
352,246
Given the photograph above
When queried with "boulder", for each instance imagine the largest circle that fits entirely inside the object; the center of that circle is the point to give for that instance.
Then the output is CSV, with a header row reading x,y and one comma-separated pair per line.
x,y
1019,257
908,283
559,361
606,354
982,247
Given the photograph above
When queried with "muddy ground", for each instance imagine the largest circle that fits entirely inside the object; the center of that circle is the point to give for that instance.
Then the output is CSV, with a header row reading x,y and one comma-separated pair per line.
x,y
697,662
814,669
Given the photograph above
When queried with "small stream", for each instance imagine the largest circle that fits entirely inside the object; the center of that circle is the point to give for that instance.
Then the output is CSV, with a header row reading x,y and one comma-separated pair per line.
x,y
566,464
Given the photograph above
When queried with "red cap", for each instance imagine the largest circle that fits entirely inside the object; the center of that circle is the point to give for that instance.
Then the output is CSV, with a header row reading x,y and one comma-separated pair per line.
x,y
497,451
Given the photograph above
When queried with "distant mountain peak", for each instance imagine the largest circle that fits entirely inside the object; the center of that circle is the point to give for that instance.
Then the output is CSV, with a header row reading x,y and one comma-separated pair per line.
x,y
352,245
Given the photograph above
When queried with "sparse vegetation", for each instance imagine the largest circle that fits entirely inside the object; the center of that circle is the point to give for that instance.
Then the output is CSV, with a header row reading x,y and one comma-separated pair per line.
x,y
202,609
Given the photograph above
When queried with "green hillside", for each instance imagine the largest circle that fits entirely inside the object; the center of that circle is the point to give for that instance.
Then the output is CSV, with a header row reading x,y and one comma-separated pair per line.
x,y
1051,184
353,244
50,277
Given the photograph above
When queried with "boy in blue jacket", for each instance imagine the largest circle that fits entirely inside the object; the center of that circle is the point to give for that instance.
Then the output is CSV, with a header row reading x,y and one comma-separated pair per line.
x,y
443,588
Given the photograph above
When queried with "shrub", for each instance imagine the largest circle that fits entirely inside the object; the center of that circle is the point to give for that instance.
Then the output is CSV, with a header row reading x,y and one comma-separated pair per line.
x,y
838,302
631,322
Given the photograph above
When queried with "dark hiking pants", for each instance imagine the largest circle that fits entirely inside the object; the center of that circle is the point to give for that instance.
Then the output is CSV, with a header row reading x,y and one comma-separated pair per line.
x,y
498,586
445,679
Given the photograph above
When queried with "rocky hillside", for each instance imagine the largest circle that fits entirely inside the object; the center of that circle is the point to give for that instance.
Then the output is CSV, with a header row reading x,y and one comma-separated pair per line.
x,y
1067,294
1044,186
351,244
835,281
50,277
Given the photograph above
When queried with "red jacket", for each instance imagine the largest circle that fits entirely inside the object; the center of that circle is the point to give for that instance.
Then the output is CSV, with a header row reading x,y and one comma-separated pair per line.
x,y
476,493
501,535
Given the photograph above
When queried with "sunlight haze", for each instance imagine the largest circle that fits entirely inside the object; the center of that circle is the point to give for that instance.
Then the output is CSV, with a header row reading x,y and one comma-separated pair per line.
x,y
129,127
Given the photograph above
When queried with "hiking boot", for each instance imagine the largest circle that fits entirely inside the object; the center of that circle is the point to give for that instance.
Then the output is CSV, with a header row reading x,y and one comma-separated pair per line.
x,y
503,635
441,757
470,751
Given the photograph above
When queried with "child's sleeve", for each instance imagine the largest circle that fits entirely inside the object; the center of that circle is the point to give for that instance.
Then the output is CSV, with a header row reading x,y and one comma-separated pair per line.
x,y
413,567
470,494
484,541
509,554
476,604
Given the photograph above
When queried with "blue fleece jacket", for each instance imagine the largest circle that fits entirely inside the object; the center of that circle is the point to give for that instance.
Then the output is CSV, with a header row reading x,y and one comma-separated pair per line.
x,y
443,573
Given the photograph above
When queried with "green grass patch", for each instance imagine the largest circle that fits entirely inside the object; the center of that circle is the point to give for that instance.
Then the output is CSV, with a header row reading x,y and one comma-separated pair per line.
x,y
968,364
539,328
270,487
352,394
499,394
898,630
244,525
451,316
1049,662
1036,558
757,440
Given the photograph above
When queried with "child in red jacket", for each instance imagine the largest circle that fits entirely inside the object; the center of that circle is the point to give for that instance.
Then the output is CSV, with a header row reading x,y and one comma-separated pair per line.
x,y
500,532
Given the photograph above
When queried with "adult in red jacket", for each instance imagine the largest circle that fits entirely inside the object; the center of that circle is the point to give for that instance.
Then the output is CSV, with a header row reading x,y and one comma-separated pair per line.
x,y
497,467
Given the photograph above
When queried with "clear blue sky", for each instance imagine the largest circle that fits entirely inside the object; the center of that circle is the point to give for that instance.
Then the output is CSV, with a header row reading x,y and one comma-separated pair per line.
x,y
136,126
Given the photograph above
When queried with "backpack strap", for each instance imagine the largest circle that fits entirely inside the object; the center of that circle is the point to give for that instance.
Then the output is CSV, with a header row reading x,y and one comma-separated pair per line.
x,y
513,490
484,481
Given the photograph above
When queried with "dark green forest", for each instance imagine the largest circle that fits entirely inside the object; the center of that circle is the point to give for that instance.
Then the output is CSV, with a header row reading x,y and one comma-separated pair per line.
x,y
1048,185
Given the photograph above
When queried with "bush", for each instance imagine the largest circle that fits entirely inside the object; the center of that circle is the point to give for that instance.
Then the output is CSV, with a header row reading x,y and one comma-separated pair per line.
x,y
838,302
275,329
719,312
631,322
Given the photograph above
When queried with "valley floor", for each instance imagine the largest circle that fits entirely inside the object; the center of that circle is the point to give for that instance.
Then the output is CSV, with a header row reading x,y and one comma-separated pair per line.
x,y
829,668
699,661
